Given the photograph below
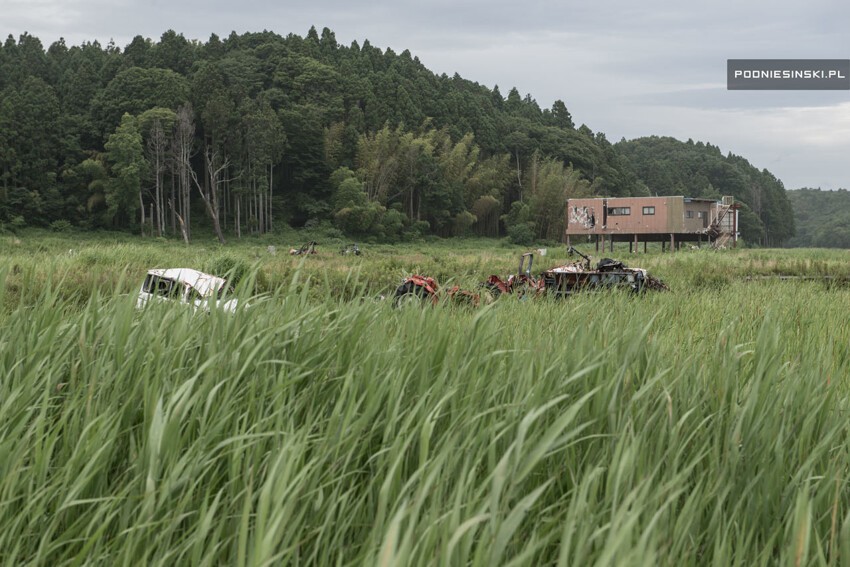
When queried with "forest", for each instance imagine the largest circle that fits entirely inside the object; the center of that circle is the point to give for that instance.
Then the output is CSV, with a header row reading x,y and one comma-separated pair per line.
x,y
672,167
822,218
238,136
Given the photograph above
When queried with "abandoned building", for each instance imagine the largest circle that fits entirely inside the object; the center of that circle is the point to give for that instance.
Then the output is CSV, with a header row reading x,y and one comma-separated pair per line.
x,y
669,220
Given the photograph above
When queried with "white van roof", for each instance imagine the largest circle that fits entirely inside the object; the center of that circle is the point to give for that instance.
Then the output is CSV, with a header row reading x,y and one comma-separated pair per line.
x,y
203,283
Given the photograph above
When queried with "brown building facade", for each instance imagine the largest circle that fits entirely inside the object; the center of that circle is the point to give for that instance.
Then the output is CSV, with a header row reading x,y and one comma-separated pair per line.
x,y
652,219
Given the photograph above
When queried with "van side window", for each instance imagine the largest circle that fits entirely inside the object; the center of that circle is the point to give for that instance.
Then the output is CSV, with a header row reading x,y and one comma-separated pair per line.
x,y
162,287
177,291
148,286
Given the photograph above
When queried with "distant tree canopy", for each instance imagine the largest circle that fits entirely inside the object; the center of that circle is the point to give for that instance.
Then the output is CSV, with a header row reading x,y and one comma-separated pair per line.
x,y
253,130
822,217
670,167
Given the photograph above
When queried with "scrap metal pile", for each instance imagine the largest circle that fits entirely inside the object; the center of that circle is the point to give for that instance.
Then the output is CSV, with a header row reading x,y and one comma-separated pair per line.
x,y
561,281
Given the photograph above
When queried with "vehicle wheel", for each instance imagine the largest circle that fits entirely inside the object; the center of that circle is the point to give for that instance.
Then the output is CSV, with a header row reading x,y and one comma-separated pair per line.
x,y
409,293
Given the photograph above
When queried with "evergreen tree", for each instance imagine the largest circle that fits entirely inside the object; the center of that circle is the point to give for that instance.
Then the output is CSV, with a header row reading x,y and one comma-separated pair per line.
x,y
127,165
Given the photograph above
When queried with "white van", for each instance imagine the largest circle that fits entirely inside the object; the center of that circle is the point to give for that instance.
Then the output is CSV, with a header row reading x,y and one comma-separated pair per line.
x,y
188,286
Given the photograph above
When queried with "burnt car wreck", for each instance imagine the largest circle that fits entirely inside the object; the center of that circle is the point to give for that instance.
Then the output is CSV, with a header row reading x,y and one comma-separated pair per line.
x,y
561,281
580,276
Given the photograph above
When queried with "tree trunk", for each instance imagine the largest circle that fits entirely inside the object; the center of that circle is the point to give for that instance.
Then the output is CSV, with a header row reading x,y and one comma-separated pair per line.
x,y
238,214
173,212
261,197
518,175
209,192
182,224
142,207
271,189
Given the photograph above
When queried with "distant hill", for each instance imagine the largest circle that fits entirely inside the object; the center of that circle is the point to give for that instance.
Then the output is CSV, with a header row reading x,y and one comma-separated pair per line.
x,y
822,217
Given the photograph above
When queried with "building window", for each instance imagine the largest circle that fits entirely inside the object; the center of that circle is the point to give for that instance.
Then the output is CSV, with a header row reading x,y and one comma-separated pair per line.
x,y
689,214
649,210
700,214
619,211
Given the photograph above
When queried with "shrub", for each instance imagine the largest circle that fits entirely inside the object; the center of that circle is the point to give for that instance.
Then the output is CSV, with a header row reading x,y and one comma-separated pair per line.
x,y
17,223
522,234
60,226
417,230
463,222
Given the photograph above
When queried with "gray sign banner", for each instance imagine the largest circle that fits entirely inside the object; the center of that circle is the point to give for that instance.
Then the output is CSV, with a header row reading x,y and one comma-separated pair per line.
x,y
787,74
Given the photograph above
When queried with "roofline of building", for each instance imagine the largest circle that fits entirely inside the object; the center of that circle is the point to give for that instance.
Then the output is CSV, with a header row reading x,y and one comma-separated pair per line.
x,y
686,199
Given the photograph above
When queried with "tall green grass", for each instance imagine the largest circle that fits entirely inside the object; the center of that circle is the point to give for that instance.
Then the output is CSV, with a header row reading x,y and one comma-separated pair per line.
x,y
700,427
111,263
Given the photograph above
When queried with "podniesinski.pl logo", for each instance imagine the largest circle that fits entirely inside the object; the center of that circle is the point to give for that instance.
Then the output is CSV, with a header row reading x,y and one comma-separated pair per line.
x,y
788,74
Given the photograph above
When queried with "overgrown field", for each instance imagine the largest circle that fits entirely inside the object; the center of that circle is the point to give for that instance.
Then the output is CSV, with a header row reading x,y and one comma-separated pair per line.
x,y
115,262
704,426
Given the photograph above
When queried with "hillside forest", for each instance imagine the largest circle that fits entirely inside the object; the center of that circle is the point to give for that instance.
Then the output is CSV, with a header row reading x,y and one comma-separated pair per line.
x,y
246,134
822,218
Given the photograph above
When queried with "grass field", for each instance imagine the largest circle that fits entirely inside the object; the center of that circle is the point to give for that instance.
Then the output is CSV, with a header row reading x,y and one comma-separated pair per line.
x,y
704,426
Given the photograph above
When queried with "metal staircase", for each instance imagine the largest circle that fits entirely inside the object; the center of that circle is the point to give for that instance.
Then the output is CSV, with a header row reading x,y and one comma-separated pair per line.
x,y
719,231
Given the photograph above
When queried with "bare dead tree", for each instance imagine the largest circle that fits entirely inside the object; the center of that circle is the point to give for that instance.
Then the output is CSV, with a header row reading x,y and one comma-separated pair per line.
x,y
216,167
182,224
157,145
271,184
183,151
173,197
239,215
142,209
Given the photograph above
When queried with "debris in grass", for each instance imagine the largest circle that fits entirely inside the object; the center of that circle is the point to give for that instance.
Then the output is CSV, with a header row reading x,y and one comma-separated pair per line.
x,y
309,248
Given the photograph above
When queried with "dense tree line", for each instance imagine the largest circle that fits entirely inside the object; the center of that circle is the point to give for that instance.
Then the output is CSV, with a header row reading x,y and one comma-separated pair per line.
x,y
244,133
822,218
695,169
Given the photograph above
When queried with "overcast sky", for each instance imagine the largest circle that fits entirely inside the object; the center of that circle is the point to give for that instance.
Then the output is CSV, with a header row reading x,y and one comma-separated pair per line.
x,y
622,67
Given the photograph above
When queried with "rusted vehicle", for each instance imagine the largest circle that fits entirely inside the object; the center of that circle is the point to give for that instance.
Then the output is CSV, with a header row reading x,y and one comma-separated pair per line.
x,y
560,281
521,283
423,289
608,274
185,285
